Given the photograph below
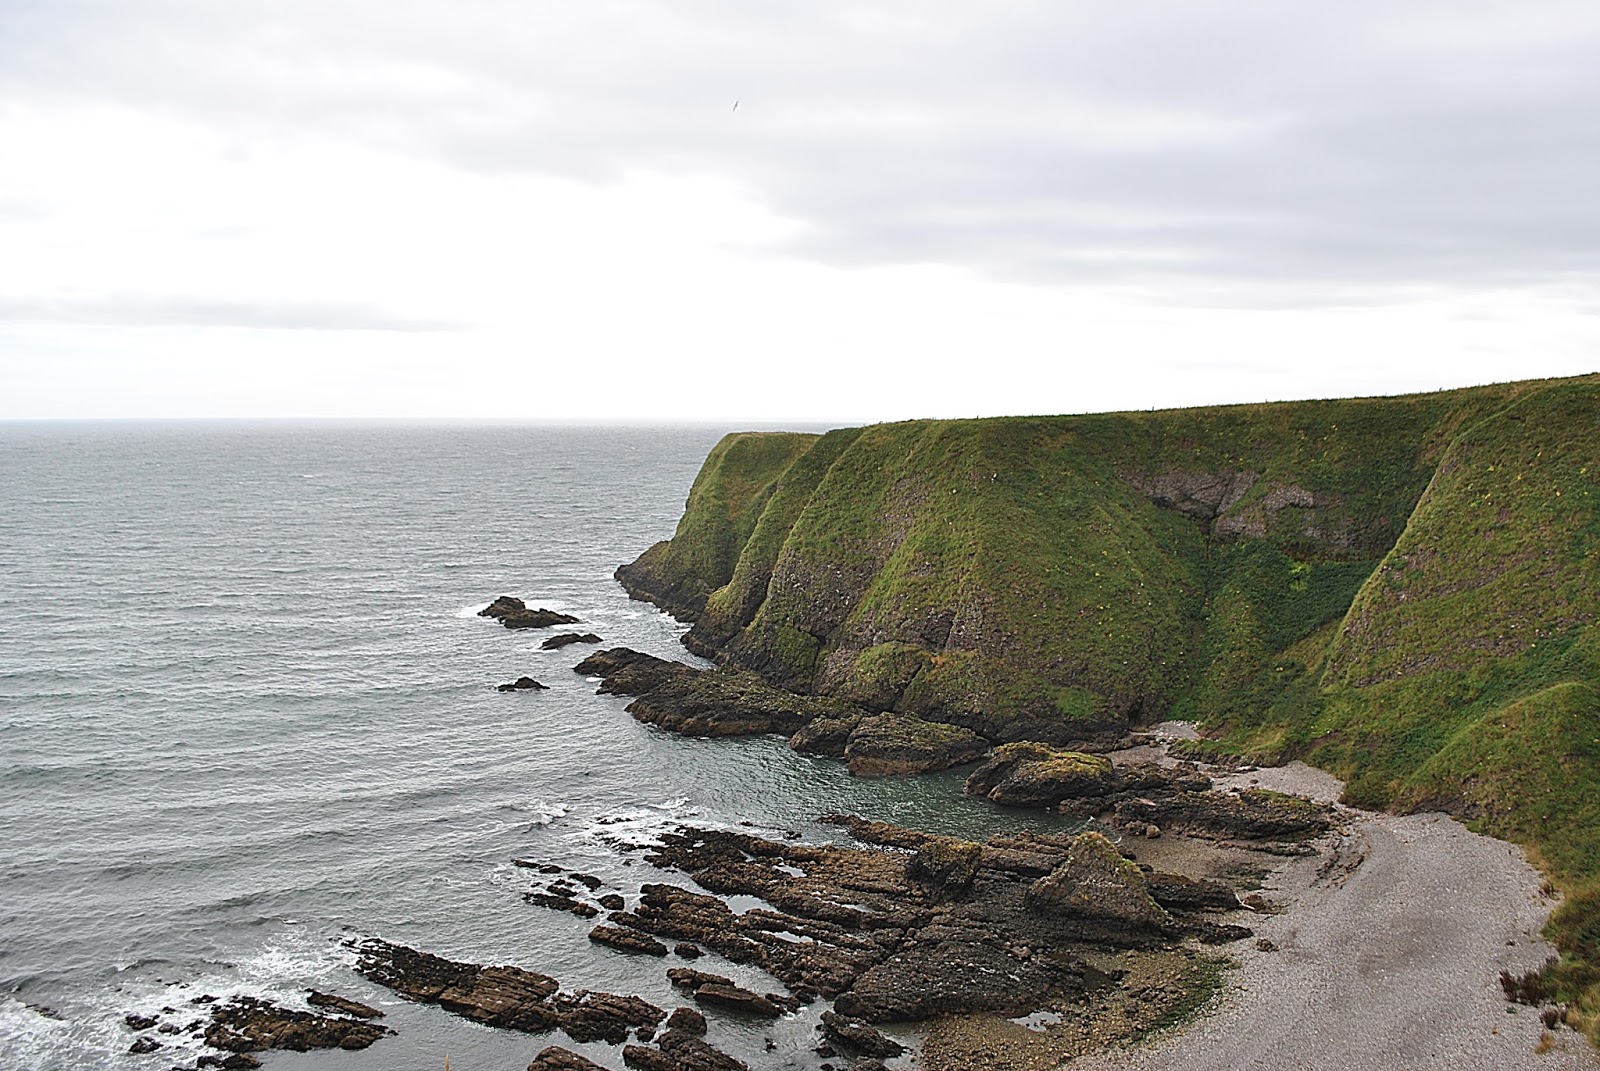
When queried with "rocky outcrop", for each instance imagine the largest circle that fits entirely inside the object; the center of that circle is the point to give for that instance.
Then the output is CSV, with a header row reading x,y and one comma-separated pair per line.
x,y
677,1050
502,996
512,612
556,1058
1251,814
567,639
342,1005
523,684
249,1024
1034,775
891,745
855,1038
1095,881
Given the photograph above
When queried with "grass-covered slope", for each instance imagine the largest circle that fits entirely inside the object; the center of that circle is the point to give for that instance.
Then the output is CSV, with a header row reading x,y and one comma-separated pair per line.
x,y
1404,590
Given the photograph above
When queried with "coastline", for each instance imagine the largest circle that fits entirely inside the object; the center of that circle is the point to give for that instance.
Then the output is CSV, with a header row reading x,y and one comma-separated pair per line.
x,y
1386,953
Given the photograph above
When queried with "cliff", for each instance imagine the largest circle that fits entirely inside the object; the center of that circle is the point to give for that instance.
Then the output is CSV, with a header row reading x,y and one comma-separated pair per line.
x,y
1404,590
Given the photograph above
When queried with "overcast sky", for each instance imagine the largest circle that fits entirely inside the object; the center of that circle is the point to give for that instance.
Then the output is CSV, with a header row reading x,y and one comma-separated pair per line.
x,y
751,210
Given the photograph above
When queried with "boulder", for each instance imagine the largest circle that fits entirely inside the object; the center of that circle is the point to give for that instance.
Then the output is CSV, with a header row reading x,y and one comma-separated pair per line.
x,y
512,612
566,639
890,745
1034,775
688,1021
625,940
736,998
856,1038
556,1058
946,864
523,684
1095,882
825,736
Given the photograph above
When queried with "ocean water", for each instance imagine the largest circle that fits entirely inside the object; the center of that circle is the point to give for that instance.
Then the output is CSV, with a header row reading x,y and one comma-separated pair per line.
x,y
247,711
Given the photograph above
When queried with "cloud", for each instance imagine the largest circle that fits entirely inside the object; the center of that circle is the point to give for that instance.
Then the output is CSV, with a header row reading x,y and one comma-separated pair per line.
x,y
1230,144
147,311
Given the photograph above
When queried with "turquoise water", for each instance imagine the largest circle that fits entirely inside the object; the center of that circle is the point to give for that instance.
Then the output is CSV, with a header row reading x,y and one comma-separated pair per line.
x,y
247,709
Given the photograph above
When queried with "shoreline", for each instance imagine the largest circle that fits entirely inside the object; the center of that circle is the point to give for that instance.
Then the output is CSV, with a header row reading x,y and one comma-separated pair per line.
x,y
1385,951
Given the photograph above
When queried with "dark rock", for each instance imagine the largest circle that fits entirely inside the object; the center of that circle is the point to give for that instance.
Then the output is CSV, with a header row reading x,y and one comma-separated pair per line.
x,y
680,1051
503,996
556,1058
851,1036
512,612
1033,775
248,1024
736,998
239,1061
555,643
688,1021
1177,893
1252,814
523,684
612,902
691,979
891,745
588,881
825,736
562,903
946,864
684,950
1094,881
144,1045
342,1004
625,940
139,1022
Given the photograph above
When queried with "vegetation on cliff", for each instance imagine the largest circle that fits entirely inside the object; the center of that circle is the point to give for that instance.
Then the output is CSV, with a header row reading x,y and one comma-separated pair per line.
x,y
1404,590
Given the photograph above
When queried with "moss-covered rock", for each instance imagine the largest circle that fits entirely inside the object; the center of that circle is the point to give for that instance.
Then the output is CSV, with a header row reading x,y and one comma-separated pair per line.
x,y
1095,882
1034,775
891,745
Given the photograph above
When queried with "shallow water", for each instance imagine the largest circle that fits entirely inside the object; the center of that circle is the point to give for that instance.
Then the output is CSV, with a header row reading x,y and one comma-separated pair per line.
x,y
247,709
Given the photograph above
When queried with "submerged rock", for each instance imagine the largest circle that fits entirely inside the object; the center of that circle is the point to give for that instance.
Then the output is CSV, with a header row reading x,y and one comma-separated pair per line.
x,y
890,745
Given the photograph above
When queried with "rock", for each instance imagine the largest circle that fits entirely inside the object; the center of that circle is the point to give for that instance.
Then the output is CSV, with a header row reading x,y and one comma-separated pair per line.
x,y
691,979
684,950
512,612
523,684
508,997
144,1045
688,1021
890,745
857,1038
248,1024
555,643
680,1051
239,1061
1095,882
1034,775
1152,831
556,1058
1265,945
1252,814
625,940
825,736
1178,893
562,903
612,902
946,864
736,998
342,1004
139,1022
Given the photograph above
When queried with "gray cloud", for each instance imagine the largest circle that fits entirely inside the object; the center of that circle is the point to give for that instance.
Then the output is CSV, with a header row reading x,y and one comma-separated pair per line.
x,y
1233,144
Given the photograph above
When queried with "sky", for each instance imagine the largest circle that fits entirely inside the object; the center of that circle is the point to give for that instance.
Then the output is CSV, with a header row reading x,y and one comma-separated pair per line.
x,y
746,210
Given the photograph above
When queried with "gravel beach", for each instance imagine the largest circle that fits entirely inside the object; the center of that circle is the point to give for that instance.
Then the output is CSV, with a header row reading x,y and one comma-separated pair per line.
x,y
1388,957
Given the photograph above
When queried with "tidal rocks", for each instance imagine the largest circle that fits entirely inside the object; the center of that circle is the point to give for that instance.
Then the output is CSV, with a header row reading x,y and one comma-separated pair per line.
x,y
512,612
343,1005
856,1038
890,745
827,737
688,1021
625,940
249,1024
718,702
566,639
1034,775
1094,881
556,1058
946,864
503,996
677,1050
1251,814
736,998
523,684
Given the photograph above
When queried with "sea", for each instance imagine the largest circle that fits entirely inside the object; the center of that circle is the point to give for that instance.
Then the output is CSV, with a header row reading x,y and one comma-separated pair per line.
x,y
248,713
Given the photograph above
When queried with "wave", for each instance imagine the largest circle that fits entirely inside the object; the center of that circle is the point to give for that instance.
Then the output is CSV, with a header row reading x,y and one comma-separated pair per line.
x,y
638,826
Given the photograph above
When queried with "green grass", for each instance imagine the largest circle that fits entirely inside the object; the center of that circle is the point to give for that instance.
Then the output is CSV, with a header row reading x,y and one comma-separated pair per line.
x,y
1402,590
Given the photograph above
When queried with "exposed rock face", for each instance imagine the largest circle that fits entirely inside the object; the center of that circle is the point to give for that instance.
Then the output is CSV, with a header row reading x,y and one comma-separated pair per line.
x,y
344,1005
680,1051
688,1021
512,612
566,639
556,1058
523,684
507,997
249,1024
1034,775
1252,814
736,998
625,940
825,736
945,864
1095,881
857,1038
890,745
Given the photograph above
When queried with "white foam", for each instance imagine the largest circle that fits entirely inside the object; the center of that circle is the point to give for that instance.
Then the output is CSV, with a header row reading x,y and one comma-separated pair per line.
x,y
473,610
636,827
